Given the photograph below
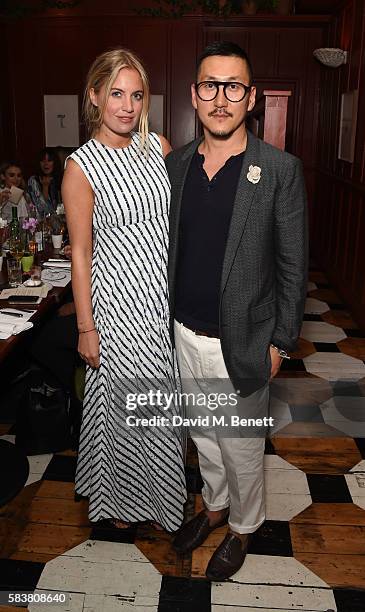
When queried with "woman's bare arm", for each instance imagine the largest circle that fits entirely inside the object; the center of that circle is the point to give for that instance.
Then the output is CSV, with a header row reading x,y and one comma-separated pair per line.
x,y
78,198
166,147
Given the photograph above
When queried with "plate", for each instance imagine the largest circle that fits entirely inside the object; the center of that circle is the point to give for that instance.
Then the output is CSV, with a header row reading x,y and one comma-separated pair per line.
x,y
54,274
32,283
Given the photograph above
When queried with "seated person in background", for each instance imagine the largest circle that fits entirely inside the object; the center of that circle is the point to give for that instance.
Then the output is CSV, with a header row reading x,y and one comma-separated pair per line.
x,y
55,346
50,411
11,176
44,186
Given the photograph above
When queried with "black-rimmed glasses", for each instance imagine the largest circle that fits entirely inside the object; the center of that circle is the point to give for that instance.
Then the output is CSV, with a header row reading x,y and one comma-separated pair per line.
x,y
233,91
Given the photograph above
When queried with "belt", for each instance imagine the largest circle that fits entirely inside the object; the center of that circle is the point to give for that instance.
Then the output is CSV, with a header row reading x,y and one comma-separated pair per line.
x,y
200,332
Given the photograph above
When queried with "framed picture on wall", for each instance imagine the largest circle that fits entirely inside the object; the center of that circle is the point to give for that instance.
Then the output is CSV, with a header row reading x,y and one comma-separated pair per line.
x,y
61,118
348,118
156,114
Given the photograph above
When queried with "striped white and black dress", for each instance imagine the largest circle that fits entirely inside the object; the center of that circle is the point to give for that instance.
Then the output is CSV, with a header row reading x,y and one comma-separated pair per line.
x,y
130,473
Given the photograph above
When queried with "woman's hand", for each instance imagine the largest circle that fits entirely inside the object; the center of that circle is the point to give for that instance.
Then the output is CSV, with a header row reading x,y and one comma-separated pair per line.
x,y
88,348
67,251
4,196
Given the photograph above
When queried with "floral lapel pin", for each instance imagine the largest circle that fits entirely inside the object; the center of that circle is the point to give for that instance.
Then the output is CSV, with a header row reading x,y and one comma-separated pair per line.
x,y
254,174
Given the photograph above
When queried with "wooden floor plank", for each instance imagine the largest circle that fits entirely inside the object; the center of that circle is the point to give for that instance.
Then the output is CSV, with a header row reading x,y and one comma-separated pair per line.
x,y
331,539
200,559
318,455
304,348
331,514
347,571
59,512
67,453
156,546
37,557
340,318
56,489
299,391
355,347
51,539
12,609
172,570
14,518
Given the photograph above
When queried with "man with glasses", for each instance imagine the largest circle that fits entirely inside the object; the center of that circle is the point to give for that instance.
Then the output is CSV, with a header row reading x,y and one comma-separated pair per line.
x,y
237,280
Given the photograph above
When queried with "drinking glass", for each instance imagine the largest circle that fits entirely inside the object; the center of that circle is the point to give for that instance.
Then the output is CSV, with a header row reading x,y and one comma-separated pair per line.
x,y
57,240
14,272
35,275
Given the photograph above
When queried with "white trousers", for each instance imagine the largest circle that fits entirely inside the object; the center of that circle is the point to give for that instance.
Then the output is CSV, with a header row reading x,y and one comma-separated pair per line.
x,y
232,468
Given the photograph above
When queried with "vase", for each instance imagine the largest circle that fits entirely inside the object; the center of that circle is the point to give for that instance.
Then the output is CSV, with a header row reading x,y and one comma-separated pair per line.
x,y
27,262
284,7
249,7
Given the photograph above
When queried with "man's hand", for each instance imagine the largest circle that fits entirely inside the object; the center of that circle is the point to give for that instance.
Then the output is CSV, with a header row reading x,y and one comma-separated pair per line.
x,y
275,362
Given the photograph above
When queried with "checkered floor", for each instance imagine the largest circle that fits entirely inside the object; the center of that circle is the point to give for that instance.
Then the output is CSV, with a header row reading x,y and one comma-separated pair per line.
x,y
308,555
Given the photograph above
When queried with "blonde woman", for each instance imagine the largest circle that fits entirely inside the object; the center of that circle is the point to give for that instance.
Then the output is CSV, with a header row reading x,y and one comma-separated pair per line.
x,y
116,193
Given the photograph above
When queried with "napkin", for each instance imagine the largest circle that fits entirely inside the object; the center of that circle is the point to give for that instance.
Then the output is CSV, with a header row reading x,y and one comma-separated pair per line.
x,y
10,326
58,263
40,292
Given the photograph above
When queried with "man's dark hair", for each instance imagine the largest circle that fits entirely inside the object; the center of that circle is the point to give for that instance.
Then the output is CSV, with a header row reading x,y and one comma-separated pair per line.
x,y
227,49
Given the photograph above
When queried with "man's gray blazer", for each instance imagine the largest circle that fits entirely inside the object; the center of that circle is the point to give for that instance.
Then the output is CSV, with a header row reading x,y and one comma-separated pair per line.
x,y
264,275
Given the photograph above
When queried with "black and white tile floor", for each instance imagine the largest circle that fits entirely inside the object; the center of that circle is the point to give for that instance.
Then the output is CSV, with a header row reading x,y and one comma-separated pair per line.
x,y
314,466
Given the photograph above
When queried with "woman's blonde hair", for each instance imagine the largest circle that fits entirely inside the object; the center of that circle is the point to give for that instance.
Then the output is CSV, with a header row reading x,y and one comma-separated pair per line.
x,y
103,72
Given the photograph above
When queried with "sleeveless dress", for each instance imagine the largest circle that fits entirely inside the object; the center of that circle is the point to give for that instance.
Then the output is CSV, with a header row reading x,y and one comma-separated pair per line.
x,y
130,473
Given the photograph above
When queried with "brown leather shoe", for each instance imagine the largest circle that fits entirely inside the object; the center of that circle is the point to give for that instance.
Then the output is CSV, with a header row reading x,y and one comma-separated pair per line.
x,y
194,533
228,558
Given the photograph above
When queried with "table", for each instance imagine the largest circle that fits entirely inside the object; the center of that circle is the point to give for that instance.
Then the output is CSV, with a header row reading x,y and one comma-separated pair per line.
x,y
14,479
54,298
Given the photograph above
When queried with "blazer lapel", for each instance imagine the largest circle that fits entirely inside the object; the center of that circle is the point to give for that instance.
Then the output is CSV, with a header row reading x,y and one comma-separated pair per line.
x,y
241,207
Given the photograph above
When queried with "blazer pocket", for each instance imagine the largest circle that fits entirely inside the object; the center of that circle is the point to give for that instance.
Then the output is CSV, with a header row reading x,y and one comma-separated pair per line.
x,y
263,311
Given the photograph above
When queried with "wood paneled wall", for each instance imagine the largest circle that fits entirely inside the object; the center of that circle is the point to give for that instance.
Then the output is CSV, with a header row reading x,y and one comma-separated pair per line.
x,y
339,213
52,54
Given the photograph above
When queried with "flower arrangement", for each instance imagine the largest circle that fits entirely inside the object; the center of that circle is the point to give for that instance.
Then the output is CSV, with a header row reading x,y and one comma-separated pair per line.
x,y
29,226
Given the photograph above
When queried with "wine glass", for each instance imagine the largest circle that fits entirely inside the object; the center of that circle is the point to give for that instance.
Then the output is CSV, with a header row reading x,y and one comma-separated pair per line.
x,y
16,247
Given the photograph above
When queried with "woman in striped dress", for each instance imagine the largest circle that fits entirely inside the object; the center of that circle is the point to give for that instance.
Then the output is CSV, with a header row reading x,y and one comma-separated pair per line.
x,y
116,193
